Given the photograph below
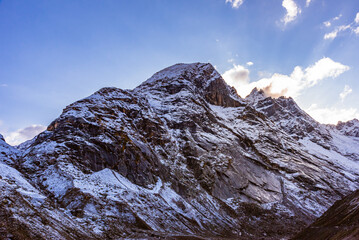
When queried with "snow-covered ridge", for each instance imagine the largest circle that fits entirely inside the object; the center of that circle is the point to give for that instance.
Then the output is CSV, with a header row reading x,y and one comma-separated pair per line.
x,y
349,128
181,69
255,96
12,178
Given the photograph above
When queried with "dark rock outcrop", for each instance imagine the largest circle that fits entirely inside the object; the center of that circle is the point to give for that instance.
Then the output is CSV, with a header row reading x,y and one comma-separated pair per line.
x,y
340,221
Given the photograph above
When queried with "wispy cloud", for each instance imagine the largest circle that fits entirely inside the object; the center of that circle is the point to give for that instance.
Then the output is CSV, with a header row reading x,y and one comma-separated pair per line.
x,y
342,28
24,134
337,17
292,11
285,85
335,32
307,3
331,115
329,22
346,91
235,3
249,63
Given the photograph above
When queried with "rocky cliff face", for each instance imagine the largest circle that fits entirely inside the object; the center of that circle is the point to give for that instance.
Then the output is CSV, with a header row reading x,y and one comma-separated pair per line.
x,y
182,155
340,221
8,154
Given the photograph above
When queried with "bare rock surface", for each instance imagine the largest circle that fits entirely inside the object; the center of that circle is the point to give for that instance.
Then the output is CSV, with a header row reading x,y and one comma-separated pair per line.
x,y
340,221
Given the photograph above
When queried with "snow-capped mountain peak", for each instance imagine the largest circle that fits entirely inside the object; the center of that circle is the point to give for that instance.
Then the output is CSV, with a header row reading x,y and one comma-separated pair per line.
x,y
190,81
349,128
255,96
190,72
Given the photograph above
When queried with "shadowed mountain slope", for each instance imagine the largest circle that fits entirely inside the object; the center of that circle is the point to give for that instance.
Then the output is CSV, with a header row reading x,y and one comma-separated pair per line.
x,y
340,221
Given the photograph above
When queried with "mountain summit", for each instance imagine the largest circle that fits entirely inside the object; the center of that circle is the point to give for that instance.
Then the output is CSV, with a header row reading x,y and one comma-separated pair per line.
x,y
181,155
195,79
350,128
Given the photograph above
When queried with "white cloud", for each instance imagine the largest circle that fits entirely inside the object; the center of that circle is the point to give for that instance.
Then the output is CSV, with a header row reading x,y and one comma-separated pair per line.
x,y
346,91
22,135
237,74
285,85
337,17
238,77
331,35
294,84
292,11
329,22
250,63
342,28
332,115
357,18
235,3
324,68
230,60
307,3
335,32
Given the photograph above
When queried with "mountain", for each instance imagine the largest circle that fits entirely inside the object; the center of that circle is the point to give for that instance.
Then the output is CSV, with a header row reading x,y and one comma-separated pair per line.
x,y
8,154
350,128
340,221
180,155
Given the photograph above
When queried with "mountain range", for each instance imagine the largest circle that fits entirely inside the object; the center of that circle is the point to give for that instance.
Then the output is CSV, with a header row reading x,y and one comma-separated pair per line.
x,y
181,156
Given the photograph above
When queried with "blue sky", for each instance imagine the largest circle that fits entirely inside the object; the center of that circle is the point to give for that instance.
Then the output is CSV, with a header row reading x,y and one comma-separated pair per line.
x,y
53,53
